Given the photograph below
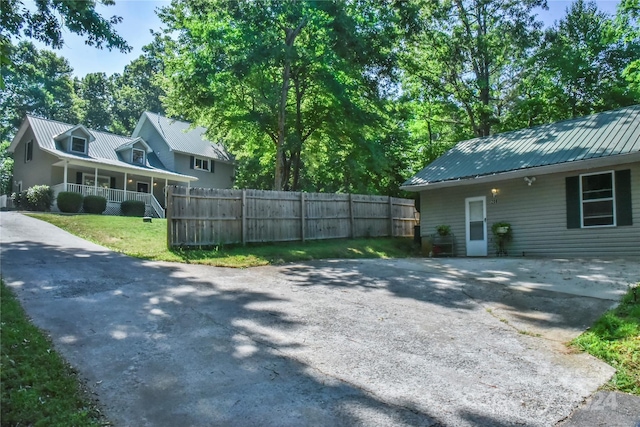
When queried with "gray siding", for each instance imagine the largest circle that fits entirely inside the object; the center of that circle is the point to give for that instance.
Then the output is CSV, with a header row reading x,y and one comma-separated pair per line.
x,y
222,177
36,172
157,144
537,214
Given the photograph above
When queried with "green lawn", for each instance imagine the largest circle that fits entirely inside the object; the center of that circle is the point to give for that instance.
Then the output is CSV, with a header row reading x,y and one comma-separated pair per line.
x,y
615,338
149,241
38,387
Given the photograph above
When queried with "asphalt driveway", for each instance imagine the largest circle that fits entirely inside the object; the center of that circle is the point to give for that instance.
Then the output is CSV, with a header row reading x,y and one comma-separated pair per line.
x,y
373,342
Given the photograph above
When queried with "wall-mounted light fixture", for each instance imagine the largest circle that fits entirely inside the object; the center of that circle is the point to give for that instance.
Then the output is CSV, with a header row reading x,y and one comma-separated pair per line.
x,y
155,183
130,181
494,193
529,180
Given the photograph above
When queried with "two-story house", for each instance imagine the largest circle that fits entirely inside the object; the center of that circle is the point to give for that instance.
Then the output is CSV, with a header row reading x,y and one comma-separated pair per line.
x,y
160,152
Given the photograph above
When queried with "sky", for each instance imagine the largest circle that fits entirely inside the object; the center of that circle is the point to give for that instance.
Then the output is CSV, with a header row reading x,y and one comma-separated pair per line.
x,y
139,18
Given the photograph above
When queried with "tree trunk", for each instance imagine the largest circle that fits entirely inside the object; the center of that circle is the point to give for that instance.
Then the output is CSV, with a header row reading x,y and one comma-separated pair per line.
x,y
290,38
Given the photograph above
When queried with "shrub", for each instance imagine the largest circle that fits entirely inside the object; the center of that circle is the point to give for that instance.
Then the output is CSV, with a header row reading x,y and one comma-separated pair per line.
x,y
132,208
69,202
94,204
40,197
20,200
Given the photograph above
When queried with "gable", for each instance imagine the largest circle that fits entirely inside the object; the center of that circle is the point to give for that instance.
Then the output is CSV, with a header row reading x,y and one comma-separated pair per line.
x,y
599,136
181,137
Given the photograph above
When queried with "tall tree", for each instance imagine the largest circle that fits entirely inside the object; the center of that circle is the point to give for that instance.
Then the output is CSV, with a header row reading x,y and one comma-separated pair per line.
x,y
578,70
626,29
278,71
472,52
46,20
39,82
139,88
94,91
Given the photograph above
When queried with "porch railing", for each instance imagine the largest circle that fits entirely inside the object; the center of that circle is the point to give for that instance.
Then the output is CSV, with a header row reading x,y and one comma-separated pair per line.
x,y
112,195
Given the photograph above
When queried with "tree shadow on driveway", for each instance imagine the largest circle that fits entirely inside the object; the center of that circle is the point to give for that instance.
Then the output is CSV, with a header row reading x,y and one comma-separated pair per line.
x,y
558,302
165,345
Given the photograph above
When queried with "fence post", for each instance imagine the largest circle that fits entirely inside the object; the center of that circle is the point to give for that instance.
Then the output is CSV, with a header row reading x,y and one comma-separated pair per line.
x,y
390,217
244,217
351,218
302,211
169,213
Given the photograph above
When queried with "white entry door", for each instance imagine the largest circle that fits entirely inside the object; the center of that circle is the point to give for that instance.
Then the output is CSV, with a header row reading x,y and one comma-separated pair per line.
x,y
476,225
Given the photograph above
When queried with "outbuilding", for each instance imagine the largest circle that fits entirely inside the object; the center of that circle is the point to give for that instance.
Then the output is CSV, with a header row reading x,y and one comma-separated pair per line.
x,y
567,189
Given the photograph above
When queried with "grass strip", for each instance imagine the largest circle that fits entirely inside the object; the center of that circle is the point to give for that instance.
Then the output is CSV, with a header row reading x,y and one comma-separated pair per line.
x,y
38,387
149,241
615,338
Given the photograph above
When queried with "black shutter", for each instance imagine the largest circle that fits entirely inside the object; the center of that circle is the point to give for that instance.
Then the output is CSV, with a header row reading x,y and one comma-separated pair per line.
x,y
193,161
29,151
624,215
211,166
112,182
78,177
572,184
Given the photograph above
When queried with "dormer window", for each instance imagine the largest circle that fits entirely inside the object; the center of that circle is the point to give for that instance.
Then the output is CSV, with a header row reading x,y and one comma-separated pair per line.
x,y
137,156
78,145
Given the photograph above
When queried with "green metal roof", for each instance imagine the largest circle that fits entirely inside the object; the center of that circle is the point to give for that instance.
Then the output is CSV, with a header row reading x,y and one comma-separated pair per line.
x,y
599,135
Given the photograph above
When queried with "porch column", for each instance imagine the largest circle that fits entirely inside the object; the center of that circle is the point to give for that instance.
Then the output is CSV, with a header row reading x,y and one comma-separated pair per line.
x,y
151,191
65,175
95,181
125,186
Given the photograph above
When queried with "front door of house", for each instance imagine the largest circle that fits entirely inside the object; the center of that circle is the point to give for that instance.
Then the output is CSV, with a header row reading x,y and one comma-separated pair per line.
x,y
476,225
142,187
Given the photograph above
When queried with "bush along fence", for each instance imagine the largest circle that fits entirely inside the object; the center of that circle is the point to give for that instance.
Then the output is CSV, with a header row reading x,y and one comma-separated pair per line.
x,y
200,217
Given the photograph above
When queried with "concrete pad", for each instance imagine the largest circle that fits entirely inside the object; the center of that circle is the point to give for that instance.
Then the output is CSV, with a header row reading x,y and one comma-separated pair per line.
x,y
372,342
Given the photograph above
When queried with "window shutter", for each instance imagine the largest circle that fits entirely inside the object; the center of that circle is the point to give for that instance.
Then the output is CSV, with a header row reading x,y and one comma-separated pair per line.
x,y
78,177
572,185
211,163
112,182
192,164
624,215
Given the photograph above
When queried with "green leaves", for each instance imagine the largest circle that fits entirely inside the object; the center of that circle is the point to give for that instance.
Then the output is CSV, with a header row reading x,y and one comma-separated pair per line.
x,y
272,77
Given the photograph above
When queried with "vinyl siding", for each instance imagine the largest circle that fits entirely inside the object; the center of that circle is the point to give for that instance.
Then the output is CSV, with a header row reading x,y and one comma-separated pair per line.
x,y
222,177
537,214
150,135
36,172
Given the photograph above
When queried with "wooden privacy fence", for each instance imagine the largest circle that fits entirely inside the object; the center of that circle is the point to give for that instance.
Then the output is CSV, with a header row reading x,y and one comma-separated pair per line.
x,y
208,217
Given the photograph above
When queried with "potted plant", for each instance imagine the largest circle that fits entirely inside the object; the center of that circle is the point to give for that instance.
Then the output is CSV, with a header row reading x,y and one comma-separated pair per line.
x,y
502,235
442,241
443,230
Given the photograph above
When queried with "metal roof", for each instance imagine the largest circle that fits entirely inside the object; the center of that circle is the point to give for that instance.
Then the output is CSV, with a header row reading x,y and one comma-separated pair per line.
x,y
596,136
101,150
182,137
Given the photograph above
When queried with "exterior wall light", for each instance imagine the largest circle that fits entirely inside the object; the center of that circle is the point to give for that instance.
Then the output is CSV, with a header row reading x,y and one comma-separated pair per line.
x,y
494,192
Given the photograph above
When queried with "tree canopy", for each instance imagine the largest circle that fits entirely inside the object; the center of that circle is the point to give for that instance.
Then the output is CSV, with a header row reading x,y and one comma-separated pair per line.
x,y
330,95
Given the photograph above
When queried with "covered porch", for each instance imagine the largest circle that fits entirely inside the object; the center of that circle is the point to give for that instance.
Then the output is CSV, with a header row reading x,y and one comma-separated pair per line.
x,y
117,184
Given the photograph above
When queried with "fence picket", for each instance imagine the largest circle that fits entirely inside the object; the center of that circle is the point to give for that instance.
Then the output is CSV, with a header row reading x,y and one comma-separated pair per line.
x,y
206,217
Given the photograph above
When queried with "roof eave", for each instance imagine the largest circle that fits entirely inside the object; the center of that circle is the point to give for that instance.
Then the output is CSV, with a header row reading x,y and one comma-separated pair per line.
x,y
123,168
521,173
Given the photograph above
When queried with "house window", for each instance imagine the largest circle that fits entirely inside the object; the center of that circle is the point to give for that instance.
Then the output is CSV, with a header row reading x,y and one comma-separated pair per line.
x,y
138,156
90,179
597,199
202,164
78,145
28,151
